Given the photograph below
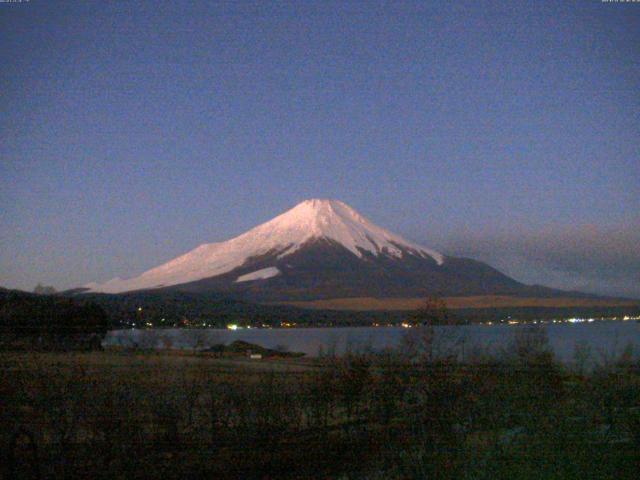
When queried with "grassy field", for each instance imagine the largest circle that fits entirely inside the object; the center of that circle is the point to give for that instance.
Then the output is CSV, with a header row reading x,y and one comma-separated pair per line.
x,y
361,416
478,301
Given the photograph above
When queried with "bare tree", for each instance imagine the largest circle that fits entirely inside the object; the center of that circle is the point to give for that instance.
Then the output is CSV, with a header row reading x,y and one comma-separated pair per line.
x,y
433,311
420,341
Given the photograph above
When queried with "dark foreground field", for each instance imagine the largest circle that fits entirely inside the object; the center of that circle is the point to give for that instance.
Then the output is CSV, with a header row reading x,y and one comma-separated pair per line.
x,y
363,416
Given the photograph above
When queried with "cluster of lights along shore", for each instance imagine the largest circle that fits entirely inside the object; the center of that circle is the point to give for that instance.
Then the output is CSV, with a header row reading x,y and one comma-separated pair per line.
x,y
235,326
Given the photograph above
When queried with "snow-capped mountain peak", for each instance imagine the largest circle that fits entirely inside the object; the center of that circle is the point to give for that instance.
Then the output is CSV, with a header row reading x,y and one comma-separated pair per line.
x,y
315,219
337,221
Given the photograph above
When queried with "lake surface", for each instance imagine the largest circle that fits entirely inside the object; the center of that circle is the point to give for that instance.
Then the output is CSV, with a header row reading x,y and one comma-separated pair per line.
x,y
605,339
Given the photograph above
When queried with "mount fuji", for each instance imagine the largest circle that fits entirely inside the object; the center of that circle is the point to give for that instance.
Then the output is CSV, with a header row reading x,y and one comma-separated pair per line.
x,y
320,249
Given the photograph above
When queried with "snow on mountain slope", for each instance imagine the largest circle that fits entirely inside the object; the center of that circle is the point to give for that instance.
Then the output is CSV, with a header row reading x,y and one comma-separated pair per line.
x,y
261,274
283,235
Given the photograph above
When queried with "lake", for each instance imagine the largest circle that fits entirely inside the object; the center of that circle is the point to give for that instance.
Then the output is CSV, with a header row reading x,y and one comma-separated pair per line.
x,y
604,339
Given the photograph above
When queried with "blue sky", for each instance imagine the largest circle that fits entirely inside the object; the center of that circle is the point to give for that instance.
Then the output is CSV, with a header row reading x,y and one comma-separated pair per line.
x,y
132,132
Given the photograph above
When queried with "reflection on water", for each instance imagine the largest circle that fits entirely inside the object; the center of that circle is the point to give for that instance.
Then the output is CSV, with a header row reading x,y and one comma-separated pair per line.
x,y
605,339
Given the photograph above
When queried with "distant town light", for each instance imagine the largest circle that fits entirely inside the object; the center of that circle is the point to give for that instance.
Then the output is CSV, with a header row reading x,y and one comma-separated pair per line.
x,y
232,326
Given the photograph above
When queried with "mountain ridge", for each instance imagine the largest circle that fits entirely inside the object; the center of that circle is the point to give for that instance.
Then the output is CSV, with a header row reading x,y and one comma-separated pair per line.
x,y
322,249
281,236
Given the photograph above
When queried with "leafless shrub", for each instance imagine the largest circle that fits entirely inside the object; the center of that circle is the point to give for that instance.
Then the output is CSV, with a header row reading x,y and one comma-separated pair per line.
x,y
582,356
530,343
143,414
432,334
